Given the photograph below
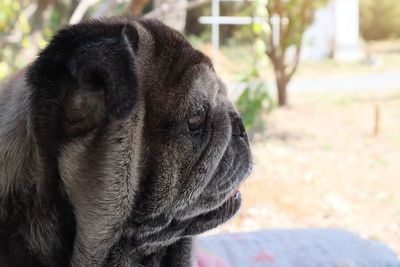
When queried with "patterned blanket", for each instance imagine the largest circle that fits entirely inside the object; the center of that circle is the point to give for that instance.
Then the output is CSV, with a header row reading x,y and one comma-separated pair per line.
x,y
294,248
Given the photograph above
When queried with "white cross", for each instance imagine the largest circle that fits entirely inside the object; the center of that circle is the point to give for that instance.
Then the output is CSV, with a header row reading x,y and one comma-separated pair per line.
x,y
215,20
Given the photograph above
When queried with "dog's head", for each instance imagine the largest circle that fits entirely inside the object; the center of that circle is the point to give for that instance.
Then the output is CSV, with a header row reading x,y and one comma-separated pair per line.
x,y
146,143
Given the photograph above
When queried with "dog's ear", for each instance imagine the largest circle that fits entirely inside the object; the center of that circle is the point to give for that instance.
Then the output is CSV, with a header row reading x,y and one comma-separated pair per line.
x,y
106,80
86,75
107,66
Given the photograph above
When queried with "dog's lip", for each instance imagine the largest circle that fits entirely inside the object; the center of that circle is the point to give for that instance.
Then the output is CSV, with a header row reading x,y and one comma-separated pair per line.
x,y
235,193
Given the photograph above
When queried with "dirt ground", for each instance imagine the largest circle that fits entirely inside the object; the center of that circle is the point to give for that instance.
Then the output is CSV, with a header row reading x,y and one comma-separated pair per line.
x,y
318,164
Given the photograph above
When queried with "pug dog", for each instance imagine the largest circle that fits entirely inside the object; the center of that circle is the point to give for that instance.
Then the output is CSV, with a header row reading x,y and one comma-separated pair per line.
x,y
118,145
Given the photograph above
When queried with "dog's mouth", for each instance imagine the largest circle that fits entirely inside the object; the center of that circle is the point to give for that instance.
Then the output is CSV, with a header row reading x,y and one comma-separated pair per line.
x,y
235,193
222,198
218,203
225,206
170,230
175,229
216,217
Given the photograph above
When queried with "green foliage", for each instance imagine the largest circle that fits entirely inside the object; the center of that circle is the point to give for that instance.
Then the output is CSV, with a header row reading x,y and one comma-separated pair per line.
x,y
379,19
11,16
291,18
240,34
198,40
26,26
300,14
251,102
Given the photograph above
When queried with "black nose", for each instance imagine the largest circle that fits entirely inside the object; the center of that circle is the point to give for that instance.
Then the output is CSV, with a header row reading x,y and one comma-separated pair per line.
x,y
238,128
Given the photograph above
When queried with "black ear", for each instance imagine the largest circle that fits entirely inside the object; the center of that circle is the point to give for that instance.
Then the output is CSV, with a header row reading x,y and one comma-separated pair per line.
x,y
108,66
86,74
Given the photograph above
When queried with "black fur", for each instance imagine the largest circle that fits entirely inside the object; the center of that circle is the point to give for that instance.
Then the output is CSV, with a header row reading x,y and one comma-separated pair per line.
x,y
110,175
83,57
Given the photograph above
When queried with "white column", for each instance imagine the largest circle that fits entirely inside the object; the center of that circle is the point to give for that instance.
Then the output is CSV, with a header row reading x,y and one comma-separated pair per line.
x,y
347,45
215,29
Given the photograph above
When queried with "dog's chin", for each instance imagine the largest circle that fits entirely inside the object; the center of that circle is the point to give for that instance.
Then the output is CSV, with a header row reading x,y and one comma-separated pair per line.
x,y
223,210
224,202
218,203
220,215
150,235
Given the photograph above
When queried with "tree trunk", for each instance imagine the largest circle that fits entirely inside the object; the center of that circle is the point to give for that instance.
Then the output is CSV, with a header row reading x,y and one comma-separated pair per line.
x,y
281,84
136,7
281,78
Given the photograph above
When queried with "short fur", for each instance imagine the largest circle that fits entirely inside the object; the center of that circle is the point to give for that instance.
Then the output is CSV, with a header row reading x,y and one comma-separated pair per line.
x,y
98,166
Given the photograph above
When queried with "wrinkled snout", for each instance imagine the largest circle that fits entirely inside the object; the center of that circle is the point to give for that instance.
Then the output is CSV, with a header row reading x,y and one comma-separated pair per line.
x,y
238,127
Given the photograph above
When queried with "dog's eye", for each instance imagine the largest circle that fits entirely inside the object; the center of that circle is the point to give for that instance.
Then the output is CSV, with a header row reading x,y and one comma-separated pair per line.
x,y
196,122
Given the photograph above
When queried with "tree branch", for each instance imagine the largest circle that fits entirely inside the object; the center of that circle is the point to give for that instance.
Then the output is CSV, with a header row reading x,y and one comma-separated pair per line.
x,y
136,7
295,63
168,8
81,10
8,34
104,8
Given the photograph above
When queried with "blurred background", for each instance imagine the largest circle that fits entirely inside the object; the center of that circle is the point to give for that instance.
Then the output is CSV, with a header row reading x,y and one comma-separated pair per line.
x,y
317,82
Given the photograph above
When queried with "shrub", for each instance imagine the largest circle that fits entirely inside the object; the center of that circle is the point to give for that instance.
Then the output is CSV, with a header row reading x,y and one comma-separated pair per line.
x,y
379,19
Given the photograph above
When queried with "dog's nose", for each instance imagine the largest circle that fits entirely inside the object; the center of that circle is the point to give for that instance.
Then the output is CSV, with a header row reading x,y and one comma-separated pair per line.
x,y
238,128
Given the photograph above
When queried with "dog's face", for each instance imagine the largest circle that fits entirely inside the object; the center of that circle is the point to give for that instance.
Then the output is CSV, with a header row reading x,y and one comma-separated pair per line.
x,y
148,147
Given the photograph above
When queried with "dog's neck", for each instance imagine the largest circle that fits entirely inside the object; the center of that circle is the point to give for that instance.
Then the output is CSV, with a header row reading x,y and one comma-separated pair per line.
x,y
20,173
19,156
